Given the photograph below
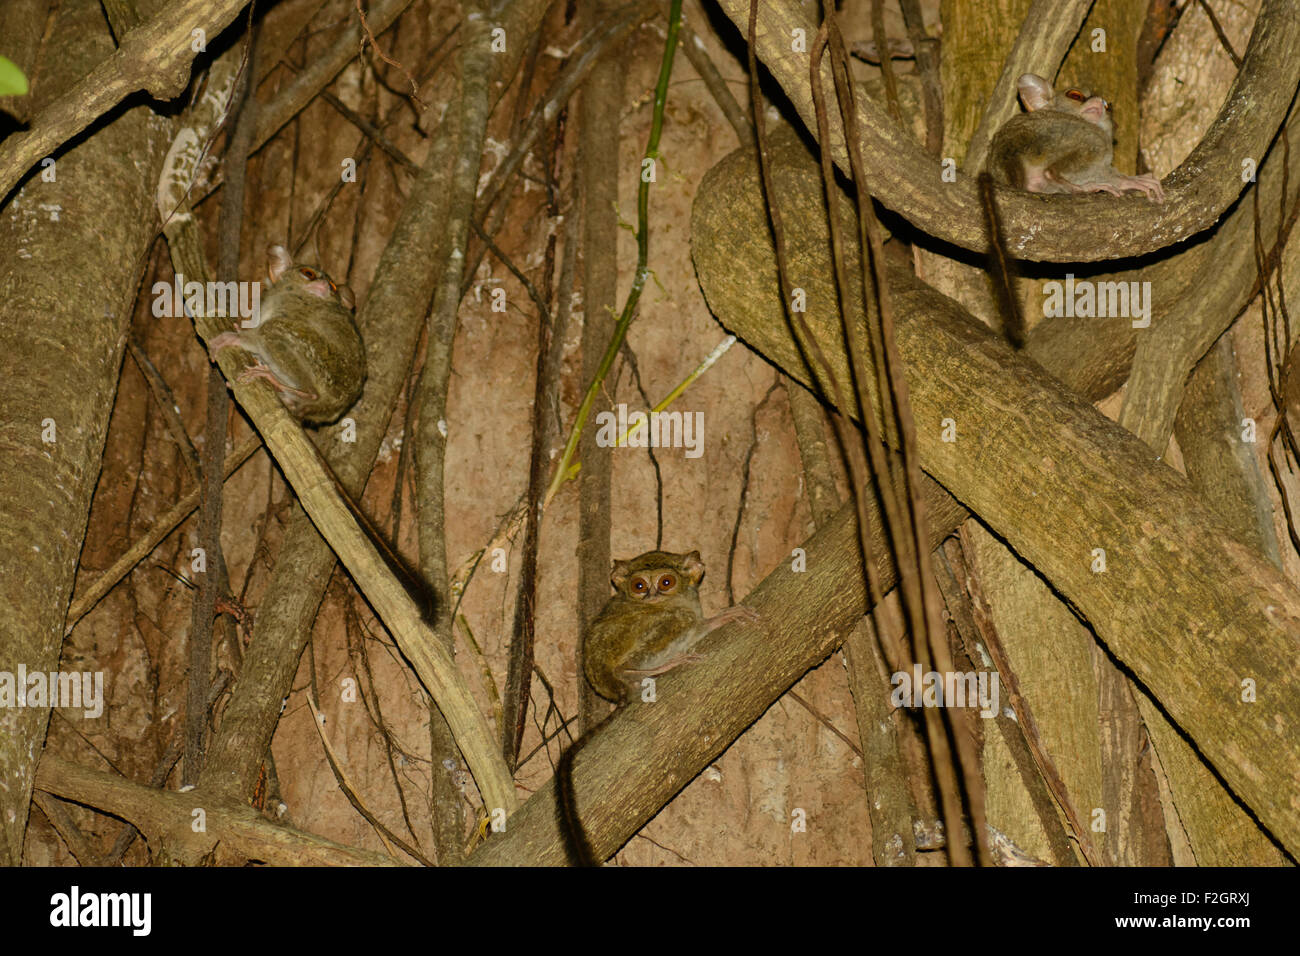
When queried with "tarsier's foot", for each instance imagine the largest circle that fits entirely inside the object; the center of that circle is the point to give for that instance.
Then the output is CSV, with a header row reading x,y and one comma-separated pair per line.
x,y
260,370
1146,184
738,613
223,341
1037,182
1097,188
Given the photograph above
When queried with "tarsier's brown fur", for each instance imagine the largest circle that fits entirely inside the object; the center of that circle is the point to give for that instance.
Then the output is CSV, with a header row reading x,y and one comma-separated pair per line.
x,y
306,344
1062,143
650,626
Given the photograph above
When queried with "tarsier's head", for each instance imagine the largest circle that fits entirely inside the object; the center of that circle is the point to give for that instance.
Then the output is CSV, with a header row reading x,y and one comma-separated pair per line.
x,y
1036,93
658,575
288,276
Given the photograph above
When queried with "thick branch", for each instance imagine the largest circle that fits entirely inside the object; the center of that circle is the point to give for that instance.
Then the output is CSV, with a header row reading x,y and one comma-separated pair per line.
x,y
393,312
66,315
1169,350
635,762
155,57
167,818
908,180
1191,610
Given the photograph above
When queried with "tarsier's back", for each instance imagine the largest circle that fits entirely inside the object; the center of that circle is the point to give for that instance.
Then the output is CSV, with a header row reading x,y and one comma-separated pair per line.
x,y
316,344
1040,144
629,634
330,358
1062,143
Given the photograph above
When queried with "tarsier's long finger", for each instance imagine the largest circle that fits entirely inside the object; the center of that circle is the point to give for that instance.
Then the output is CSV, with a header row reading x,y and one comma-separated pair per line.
x,y
665,667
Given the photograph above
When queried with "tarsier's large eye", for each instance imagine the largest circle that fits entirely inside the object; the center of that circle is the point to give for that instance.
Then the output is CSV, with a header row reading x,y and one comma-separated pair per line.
x,y
307,273
666,582
640,585
1077,95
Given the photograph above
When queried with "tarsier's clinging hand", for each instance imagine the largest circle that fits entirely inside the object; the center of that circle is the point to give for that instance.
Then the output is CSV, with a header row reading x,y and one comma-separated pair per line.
x,y
1063,143
652,623
307,344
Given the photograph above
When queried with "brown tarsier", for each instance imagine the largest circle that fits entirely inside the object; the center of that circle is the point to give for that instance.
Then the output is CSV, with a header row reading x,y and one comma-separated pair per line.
x,y
306,344
652,624
308,347
1063,143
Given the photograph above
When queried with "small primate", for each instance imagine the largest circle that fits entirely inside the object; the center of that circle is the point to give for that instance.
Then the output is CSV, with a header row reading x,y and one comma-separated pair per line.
x,y
650,626
308,347
307,344
1062,143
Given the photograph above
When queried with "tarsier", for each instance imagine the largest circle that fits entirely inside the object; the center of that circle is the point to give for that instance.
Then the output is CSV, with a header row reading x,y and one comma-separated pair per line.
x,y
306,344
1063,143
308,347
652,624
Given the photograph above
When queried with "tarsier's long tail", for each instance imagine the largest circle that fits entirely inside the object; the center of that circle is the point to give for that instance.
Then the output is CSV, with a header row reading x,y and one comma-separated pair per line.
x,y
1001,269
577,846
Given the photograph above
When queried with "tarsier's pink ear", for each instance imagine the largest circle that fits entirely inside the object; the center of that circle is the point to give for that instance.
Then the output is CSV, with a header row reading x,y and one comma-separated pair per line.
x,y
621,570
1035,92
279,262
693,567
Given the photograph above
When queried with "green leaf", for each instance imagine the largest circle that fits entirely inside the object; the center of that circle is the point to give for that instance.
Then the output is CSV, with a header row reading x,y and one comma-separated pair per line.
x,y
12,81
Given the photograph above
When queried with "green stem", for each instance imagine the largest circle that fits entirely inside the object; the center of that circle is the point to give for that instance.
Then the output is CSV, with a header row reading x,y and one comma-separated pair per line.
x,y
642,247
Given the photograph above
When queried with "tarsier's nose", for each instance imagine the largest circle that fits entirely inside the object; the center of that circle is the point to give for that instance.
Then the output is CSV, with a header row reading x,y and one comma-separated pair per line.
x,y
1095,107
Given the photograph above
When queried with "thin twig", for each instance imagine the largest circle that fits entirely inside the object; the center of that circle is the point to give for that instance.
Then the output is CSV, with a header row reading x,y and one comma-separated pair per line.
x,y
141,548
744,486
386,836
824,721
370,38
165,399
1223,37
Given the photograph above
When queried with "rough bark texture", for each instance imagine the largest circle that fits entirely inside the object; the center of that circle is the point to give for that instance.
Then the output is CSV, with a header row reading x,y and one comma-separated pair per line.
x,y
392,313
635,762
66,312
1023,608
906,179
1186,606
599,168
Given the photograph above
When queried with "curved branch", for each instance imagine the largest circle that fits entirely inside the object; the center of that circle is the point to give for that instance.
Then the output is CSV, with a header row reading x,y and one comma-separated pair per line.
x,y
166,819
1182,603
155,57
908,180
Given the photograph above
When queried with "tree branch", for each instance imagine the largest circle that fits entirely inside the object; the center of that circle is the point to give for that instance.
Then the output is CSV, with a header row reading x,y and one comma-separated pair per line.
x,y
155,57
908,180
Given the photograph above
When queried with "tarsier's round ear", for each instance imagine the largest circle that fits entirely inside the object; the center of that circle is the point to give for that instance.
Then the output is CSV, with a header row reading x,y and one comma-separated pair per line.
x,y
621,570
1035,92
279,262
693,567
